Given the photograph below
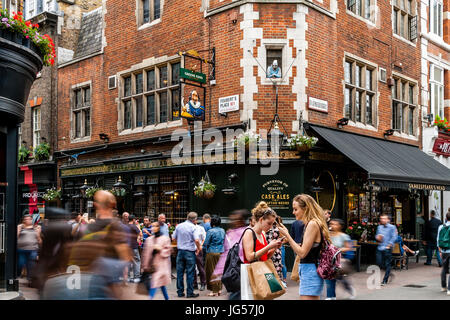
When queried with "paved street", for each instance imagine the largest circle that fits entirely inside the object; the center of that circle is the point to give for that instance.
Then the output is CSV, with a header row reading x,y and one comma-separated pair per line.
x,y
427,277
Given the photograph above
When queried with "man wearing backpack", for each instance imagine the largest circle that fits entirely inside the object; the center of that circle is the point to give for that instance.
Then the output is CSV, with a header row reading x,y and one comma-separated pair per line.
x,y
443,241
386,237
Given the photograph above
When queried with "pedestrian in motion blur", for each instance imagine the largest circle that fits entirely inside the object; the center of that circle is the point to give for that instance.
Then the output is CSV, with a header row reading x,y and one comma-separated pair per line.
x,y
431,232
443,240
156,260
386,236
213,245
340,240
238,223
28,241
315,231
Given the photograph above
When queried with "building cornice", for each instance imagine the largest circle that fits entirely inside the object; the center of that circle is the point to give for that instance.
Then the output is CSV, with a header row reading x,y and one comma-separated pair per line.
x,y
239,3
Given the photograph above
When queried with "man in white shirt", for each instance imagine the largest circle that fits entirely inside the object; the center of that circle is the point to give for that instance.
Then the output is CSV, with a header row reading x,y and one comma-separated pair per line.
x,y
445,254
199,260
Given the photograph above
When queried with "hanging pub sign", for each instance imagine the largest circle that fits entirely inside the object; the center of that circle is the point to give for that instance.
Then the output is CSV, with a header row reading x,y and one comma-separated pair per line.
x,y
192,75
442,147
193,109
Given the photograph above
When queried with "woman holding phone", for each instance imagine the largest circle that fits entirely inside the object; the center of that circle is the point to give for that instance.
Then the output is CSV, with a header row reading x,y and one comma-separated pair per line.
x,y
307,209
260,249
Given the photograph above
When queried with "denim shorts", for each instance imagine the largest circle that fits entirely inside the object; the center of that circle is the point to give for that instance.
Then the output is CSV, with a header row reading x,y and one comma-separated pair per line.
x,y
310,282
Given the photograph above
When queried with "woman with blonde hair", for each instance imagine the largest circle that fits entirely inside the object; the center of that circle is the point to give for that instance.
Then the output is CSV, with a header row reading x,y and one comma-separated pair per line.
x,y
315,232
254,242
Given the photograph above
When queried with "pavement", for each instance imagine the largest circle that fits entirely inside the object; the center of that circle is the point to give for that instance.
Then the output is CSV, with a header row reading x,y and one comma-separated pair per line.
x,y
420,282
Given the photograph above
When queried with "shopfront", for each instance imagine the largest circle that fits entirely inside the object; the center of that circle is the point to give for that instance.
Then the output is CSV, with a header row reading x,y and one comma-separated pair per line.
x,y
386,177
33,182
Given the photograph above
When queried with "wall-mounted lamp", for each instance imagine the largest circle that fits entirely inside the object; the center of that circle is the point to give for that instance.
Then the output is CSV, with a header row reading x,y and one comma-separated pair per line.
x,y
104,137
388,132
84,187
429,118
342,122
225,115
233,17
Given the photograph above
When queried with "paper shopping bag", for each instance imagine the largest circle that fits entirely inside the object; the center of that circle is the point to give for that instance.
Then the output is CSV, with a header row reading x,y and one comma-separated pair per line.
x,y
264,280
246,291
294,274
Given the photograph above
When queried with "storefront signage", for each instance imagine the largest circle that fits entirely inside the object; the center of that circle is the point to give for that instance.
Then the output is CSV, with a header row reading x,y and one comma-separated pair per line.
x,y
318,105
442,147
275,193
228,104
35,195
426,186
192,75
164,163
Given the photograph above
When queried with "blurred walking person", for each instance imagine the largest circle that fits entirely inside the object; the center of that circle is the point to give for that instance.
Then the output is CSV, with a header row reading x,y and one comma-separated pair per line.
x,y
100,257
28,241
315,231
431,232
135,266
386,236
342,241
214,246
199,260
188,244
156,260
443,240
238,223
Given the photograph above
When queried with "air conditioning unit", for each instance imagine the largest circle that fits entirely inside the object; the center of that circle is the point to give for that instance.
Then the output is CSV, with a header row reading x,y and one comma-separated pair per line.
x,y
112,82
383,75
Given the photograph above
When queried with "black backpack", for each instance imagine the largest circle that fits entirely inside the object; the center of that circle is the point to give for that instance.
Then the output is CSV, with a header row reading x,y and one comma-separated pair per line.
x,y
231,277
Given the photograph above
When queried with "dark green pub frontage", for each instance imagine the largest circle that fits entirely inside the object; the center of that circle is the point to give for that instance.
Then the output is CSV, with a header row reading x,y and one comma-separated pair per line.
x,y
357,177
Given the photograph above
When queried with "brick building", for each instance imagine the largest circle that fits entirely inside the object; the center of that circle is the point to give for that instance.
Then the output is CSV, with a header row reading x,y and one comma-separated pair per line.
x,y
349,69
60,20
435,86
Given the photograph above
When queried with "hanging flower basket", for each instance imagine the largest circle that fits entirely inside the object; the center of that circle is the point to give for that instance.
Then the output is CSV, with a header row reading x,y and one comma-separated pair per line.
x,y
301,143
52,194
205,189
23,52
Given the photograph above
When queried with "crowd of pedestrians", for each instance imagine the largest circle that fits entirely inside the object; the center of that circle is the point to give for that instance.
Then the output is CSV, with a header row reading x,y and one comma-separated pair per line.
x,y
110,251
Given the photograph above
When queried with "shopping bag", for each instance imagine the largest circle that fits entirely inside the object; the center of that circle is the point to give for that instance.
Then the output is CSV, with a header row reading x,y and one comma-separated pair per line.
x,y
246,291
294,274
143,287
264,280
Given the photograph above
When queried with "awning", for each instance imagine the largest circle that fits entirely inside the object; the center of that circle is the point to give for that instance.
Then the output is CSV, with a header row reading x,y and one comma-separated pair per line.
x,y
389,164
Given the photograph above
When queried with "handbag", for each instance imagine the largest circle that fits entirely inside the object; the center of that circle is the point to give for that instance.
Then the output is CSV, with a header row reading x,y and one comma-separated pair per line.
x,y
294,275
264,280
143,286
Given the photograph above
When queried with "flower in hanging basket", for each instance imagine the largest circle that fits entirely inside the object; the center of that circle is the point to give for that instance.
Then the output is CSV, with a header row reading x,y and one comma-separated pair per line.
x,y
52,194
25,154
121,192
42,151
30,31
91,191
204,189
246,138
301,142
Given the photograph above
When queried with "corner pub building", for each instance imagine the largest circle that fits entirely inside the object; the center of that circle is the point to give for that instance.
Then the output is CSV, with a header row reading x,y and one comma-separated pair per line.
x,y
349,78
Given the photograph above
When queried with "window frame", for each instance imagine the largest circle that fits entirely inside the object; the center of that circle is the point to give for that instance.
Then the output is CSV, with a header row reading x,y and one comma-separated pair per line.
x,y
151,12
361,89
362,13
157,91
84,109
400,120
439,86
432,18
400,13
37,126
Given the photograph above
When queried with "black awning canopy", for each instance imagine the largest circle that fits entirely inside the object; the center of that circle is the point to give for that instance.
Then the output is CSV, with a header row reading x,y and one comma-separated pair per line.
x,y
387,163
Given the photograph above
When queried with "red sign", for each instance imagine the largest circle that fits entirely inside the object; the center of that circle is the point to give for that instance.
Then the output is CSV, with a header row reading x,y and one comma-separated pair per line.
x,y
442,147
